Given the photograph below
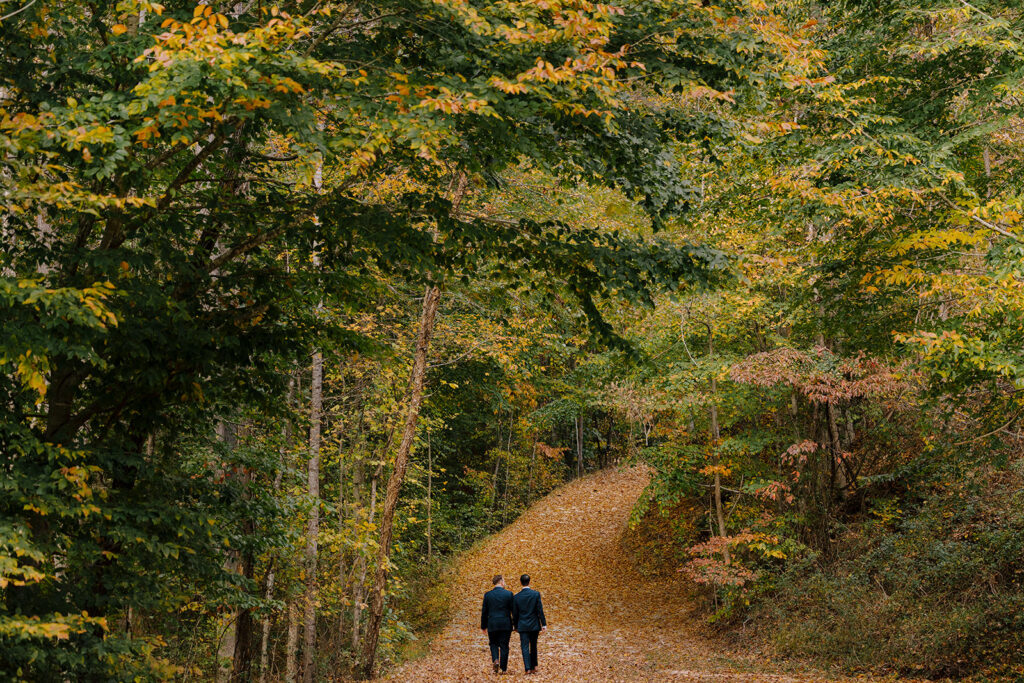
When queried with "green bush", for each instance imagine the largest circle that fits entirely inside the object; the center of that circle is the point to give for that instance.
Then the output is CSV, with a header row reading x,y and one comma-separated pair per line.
x,y
937,591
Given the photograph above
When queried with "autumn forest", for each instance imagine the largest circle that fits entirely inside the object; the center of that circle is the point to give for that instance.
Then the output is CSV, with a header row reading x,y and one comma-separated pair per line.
x,y
315,315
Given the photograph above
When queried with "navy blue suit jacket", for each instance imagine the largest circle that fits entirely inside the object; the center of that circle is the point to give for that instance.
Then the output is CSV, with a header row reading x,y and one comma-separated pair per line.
x,y
496,613
527,611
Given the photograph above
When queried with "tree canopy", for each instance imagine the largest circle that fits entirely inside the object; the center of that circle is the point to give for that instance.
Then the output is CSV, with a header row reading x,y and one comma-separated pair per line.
x,y
258,260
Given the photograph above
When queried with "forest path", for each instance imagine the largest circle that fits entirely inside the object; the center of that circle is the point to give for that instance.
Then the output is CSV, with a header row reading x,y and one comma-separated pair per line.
x,y
606,622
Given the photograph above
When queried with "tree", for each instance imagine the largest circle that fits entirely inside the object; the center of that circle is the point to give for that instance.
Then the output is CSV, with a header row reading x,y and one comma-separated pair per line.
x,y
161,162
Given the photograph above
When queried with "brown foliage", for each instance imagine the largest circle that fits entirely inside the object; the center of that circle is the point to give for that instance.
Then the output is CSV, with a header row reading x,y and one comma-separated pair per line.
x,y
848,379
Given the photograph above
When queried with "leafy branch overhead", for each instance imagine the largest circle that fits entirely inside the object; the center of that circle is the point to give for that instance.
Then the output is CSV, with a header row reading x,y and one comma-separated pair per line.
x,y
301,300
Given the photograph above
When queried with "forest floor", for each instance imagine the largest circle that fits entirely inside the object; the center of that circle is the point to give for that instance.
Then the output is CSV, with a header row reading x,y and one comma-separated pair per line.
x,y
606,622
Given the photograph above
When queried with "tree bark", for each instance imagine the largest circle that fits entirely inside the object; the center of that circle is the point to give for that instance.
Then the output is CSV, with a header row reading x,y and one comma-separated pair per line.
x,y
430,303
313,529
226,649
342,563
851,430
64,383
244,655
987,158
533,466
608,458
245,636
359,570
292,644
508,463
837,449
504,504
360,589
494,477
430,502
245,646
227,435
268,592
579,446
716,437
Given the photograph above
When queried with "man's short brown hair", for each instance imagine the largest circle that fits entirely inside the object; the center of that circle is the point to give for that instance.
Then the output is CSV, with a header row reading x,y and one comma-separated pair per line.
x,y
497,579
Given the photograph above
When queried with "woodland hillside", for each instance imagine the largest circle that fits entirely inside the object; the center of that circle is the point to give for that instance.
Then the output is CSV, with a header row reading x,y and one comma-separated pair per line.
x,y
300,301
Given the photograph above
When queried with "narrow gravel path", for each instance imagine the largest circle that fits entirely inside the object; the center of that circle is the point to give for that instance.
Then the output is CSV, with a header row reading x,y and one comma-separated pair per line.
x,y
605,621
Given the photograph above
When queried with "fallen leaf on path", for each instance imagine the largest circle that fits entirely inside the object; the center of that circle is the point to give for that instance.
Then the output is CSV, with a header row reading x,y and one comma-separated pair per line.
x,y
606,622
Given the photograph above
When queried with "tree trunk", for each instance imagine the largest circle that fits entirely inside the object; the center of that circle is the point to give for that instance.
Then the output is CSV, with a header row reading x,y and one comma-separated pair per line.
x,y
608,458
494,477
268,592
508,464
430,503
61,394
244,654
226,649
359,570
533,465
292,644
579,446
342,563
837,449
245,637
987,159
419,369
851,430
227,435
360,588
716,437
313,529
719,513
357,601
504,503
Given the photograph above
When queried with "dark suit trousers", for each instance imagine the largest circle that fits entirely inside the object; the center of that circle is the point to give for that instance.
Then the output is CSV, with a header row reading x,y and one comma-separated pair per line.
x,y
528,641
499,646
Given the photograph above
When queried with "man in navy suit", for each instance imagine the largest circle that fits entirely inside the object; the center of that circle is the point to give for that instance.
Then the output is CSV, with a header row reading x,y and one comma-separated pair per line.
x,y
496,622
528,619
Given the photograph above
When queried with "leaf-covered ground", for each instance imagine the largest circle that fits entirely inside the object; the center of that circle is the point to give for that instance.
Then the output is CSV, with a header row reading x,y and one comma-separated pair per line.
x,y
605,621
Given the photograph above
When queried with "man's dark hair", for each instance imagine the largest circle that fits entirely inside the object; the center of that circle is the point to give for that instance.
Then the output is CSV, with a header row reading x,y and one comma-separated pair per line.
x,y
524,580
496,580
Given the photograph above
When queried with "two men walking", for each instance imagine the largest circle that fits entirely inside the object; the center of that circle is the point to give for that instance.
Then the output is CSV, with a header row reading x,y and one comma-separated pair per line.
x,y
503,613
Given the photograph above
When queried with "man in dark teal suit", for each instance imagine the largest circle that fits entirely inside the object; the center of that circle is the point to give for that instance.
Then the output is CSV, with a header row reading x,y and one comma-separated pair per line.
x,y
496,622
528,619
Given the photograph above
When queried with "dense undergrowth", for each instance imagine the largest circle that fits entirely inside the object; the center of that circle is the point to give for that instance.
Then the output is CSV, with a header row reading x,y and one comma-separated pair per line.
x,y
925,582
929,588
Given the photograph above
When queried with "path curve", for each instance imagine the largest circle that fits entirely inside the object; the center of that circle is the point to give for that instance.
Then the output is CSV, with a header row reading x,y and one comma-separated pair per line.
x,y
606,622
